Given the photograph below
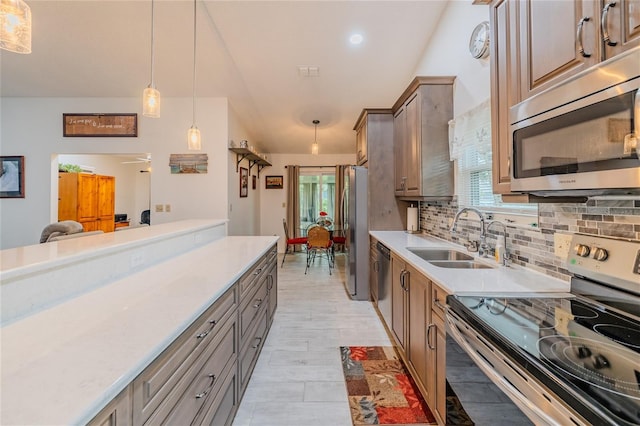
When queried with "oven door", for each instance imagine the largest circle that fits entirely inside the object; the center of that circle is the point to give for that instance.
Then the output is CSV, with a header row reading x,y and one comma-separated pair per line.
x,y
536,402
589,146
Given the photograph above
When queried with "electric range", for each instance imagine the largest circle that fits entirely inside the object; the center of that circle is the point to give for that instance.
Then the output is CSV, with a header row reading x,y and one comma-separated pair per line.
x,y
565,358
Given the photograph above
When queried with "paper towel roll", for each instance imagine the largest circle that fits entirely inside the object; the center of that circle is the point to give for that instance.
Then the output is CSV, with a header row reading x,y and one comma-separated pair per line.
x,y
412,219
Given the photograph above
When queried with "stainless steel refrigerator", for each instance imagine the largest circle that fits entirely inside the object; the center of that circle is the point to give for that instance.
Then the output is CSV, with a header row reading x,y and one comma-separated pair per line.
x,y
354,208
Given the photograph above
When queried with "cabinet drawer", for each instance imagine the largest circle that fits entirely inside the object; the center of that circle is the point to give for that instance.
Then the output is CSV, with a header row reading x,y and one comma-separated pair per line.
x,y
250,350
201,381
156,381
438,301
250,307
221,410
251,278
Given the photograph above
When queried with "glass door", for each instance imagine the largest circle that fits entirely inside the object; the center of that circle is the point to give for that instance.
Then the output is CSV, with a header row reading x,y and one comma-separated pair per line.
x,y
317,194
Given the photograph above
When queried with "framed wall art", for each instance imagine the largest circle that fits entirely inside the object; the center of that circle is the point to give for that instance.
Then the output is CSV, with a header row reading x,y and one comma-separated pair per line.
x,y
274,182
100,125
11,176
253,182
244,182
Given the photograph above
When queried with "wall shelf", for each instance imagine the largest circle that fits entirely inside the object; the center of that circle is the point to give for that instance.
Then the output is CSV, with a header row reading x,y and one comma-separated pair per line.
x,y
253,158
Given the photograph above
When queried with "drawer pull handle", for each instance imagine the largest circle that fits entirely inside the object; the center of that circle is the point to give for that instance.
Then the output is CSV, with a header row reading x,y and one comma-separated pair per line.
x,y
257,345
205,333
257,305
206,392
258,272
429,336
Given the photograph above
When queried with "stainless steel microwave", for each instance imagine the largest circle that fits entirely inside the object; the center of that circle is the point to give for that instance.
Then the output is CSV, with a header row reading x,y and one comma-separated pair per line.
x,y
581,137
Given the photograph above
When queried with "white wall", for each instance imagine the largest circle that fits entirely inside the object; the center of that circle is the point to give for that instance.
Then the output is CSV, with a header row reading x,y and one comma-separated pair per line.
x,y
33,127
244,213
447,54
273,201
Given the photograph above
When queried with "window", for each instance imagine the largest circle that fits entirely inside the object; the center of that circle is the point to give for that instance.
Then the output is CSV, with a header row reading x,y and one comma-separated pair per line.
x,y
317,193
470,146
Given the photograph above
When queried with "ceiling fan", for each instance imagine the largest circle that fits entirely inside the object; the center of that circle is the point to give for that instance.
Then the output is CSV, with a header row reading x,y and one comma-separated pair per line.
x,y
138,160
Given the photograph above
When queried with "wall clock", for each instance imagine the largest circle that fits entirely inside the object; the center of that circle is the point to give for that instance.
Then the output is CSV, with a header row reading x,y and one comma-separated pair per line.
x,y
479,41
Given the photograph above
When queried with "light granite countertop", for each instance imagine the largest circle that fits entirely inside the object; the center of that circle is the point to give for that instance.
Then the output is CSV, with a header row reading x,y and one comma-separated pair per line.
x,y
62,365
497,280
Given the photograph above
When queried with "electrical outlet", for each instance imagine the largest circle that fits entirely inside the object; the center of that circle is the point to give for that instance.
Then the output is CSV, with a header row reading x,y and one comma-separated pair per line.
x,y
167,208
284,205
137,259
561,244
159,208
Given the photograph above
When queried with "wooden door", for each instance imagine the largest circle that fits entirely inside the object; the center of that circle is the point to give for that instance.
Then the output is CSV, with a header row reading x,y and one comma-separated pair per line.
x,y
550,45
88,201
399,142
412,154
419,319
398,300
621,23
67,196
105,203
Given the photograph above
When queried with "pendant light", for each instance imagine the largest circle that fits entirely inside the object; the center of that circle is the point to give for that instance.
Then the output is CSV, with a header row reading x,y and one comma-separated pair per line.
x,y
15,26
193,136
314,146
151,95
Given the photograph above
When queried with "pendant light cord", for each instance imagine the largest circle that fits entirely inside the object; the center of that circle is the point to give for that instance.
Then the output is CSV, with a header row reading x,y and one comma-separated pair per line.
x,y
152,43
194,62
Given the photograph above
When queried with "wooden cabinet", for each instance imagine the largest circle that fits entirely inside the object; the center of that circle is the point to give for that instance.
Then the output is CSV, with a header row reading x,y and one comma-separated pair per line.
x,y
361,144
418,328
399,300
88,199
421,142
504,87
566,37
375,129
419,319
116,413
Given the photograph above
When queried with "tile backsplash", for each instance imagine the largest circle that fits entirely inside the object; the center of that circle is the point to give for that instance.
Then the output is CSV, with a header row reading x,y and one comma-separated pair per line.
x,y
534,247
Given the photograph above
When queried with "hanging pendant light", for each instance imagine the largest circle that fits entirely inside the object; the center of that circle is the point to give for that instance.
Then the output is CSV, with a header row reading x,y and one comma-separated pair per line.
x,y
314,146
193,136
15,26
151,95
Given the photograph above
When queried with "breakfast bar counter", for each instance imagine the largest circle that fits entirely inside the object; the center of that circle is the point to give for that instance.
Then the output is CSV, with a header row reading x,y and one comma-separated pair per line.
x,y
64,361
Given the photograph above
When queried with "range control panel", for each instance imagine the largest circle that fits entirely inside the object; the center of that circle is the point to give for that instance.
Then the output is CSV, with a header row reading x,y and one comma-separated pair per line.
x,y
609,260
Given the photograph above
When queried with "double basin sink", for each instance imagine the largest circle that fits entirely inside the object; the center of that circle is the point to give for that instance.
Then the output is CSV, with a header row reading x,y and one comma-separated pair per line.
x,y
448,258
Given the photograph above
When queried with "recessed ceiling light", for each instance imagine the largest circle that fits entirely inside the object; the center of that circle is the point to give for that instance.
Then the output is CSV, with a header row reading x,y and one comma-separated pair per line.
x,y
356,38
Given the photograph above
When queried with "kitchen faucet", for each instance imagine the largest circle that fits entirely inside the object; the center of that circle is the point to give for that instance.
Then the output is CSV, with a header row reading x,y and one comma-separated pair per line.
x,y
482,250
505,254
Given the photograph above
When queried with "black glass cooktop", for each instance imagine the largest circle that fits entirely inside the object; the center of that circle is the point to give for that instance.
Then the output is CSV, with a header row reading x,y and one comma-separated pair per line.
x,y
594,351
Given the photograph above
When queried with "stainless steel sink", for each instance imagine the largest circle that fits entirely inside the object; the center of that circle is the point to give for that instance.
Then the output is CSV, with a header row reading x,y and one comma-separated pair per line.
x,y
439,254
460,264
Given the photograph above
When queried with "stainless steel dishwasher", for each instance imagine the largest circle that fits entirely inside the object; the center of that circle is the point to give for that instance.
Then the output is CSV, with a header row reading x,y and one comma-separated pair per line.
x,y
384,282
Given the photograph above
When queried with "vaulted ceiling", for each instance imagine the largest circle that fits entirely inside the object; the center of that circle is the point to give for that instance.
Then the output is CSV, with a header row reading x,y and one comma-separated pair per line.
x,y
248,51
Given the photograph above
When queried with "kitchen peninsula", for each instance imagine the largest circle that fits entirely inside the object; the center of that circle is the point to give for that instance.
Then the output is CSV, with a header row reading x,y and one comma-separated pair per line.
x,y
85,320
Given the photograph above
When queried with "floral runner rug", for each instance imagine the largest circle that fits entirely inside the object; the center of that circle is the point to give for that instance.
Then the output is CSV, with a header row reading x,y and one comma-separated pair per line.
x,y
382,392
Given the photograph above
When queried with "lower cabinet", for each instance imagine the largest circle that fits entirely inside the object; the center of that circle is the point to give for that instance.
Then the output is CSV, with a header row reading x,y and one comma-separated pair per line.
x,y
418,328
201,376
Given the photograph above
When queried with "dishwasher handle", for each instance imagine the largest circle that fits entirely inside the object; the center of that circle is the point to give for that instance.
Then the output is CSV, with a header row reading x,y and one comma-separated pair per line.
x,y
383,250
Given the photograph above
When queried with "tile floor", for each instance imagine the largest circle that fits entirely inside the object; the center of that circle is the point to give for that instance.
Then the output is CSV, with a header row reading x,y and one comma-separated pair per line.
x,y
298,378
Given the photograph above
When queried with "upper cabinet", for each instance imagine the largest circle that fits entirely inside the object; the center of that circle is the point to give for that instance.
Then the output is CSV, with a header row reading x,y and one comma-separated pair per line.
x,y
421,143
536,45
361,144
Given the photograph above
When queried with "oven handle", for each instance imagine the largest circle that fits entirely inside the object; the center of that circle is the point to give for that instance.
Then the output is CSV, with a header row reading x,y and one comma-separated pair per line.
x,y
507,387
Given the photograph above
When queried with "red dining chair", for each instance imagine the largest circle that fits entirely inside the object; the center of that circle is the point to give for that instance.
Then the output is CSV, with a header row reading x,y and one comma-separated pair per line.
x,y
291,242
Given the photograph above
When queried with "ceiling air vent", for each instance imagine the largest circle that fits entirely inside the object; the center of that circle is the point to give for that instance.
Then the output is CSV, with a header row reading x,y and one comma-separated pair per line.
x,y
308,71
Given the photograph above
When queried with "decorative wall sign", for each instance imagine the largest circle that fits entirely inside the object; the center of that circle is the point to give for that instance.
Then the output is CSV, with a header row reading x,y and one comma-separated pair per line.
x,y
100,125
11,177
244,182
274,182
188,163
